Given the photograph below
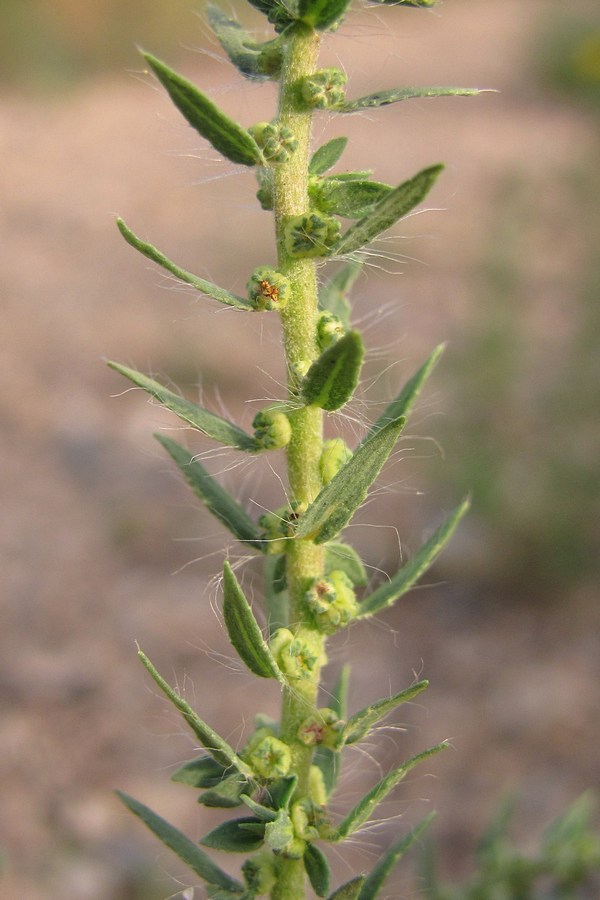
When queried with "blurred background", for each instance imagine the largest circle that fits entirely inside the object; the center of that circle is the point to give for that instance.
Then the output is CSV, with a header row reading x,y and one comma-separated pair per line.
x,y
102,545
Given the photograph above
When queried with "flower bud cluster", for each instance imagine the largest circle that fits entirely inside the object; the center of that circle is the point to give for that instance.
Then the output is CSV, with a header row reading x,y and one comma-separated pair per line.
x,y
268,288
298,658
310,235
272,429
331,601
322,728
276,141
324,89
267,755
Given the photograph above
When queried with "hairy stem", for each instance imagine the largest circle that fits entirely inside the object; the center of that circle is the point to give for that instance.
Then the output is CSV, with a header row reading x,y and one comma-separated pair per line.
x,y
299,318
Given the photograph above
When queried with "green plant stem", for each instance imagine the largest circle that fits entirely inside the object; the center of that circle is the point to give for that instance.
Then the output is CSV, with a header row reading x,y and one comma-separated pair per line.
x,y
299,319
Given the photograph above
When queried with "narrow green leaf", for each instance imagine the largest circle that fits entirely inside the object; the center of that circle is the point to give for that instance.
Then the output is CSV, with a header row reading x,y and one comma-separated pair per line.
x,y
409,574
396,95
281,791
325,157
236,836
244,631
359,725
335,505
351,199
397,204
332,378
350,890
364,808
203,772
205,287
322,14
330,763
185,849
226,136
218,748
216,499
208,423
217,893
333,294
403,403
382,870
345,558
317,869
245,54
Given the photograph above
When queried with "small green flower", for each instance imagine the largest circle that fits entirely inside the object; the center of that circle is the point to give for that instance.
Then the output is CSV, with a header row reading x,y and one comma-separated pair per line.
x,y
268,288
332,601
272,429
276,141
295,657
268,756
336,453
324,89
310,235
323,727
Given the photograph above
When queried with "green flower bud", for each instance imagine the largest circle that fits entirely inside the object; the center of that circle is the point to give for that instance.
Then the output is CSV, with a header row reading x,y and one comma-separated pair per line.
x,y
294,656
268,289
332,602
264,194
310,235
335,454
259,874
278,525
276,141
272,429
323,727
268,756
301,816
329,330
324,89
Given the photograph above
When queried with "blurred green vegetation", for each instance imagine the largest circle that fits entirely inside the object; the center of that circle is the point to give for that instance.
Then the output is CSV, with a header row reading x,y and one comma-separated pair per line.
x,y
567,56
566,865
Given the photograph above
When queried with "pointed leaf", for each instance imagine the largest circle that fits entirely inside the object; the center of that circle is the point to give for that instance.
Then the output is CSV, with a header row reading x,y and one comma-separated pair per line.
x,y
382,870
350,890
216,499
245,54
208,423
236,836
244,631
333,377
402,404
385,98
185,849
226,136
333,294
218,748
397,204
205,287
317,869
359,725
203,772
326,156
281,791
403,580
322,14
343,557
351,199
335,505
364,809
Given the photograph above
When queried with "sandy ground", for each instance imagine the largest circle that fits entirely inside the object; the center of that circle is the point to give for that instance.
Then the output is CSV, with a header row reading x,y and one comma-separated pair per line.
x,y
101,544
